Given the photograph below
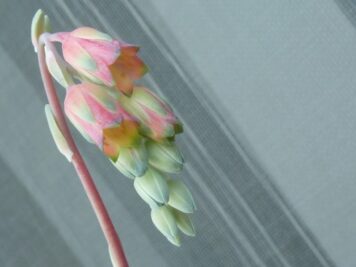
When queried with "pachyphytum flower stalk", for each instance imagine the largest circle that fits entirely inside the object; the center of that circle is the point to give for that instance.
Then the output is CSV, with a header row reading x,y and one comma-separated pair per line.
x,y
130,124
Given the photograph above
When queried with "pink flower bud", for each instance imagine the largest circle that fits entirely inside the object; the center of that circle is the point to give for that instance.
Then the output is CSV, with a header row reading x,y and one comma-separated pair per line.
x,y
96,112
156,118
102,59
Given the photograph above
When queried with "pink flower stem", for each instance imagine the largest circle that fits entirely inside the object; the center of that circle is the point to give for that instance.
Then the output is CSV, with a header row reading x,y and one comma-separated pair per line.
x,y
98,205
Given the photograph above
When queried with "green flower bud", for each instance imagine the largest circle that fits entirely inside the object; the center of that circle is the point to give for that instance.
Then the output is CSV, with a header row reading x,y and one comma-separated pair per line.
x,y
165,222
153,185
147,198
164,156
132,161
180,197
184,223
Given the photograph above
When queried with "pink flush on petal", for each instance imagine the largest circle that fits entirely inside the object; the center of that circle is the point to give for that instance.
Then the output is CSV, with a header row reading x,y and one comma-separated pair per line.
x,y
101,58
155,116
92,108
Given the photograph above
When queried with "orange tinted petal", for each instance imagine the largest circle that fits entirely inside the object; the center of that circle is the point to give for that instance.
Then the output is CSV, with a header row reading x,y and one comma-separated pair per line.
x,y
123,82
133,66
130,50
115,138
127,68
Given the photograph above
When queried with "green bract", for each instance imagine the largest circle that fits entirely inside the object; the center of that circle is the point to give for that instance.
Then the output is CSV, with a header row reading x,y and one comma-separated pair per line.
x,y
57,135
56,67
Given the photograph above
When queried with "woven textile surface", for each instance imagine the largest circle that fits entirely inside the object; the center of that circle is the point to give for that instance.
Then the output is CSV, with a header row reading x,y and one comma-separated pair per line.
x,y
267,93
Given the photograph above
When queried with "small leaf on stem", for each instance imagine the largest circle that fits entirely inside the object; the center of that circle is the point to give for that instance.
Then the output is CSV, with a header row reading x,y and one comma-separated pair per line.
x,y
37,27
57,135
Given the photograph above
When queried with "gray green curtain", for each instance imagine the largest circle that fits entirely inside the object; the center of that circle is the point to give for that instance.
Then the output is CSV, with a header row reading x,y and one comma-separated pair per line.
x,y
267,93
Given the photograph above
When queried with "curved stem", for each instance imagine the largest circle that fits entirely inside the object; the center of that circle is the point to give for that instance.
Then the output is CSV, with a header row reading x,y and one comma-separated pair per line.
x,y
98,205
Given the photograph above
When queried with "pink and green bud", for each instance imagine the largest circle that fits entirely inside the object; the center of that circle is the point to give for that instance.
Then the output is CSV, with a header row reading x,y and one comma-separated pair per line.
x,y
156,118
96,112
102,59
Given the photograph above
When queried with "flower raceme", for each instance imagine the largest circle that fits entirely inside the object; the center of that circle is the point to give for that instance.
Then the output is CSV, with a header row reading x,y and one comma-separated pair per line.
x,y
137,142
131,125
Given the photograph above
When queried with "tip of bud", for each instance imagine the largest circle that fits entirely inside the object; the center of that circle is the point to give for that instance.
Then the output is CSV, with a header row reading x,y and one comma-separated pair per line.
x,y
165,222
175,240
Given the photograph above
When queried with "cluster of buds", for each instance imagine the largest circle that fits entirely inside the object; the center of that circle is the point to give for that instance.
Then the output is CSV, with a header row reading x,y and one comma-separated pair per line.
x,y
130,124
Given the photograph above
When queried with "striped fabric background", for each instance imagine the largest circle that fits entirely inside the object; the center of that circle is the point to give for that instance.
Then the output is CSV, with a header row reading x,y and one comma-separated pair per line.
x,y
244,217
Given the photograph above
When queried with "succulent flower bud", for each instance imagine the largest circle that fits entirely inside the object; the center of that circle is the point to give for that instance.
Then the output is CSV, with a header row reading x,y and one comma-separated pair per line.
x,y
96,113
146,197
102,59
154,185
184,222
132,162
164,156
155,116
180,197
165,222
